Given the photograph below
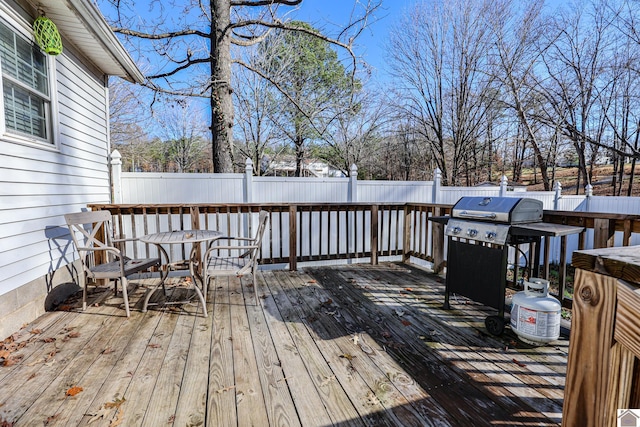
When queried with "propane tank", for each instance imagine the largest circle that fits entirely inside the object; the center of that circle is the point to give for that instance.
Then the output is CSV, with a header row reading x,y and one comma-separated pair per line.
x,y
535,316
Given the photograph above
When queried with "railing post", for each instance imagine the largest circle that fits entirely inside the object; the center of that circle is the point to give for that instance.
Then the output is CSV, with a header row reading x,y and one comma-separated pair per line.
x,y
374,234
116,176
503,185
293,237
557,187
406,242
248,181
352,195
437,182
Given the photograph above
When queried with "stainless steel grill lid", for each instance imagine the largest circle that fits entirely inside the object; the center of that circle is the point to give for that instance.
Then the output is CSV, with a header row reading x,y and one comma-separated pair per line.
x,y
506,210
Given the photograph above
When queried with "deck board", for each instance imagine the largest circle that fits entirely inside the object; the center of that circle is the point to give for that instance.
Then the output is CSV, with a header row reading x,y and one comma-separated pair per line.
x,y
350,345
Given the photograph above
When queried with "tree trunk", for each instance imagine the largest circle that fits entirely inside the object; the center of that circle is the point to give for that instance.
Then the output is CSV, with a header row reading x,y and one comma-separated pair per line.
x,y
221,99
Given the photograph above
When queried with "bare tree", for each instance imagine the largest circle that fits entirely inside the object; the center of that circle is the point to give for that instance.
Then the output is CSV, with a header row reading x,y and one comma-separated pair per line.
x,y
183,132
354,137
518,48
189,46
576,65
440,61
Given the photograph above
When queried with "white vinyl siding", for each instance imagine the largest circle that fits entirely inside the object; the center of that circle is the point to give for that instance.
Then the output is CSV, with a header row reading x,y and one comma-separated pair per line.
x,y
38,186
25,86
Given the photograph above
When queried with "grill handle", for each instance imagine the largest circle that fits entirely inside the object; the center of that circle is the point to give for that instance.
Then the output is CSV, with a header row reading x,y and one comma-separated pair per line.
x,y
465,214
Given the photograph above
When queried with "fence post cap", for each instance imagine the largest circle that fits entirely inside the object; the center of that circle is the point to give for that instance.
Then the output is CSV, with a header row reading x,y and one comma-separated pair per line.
x,y
354,170
116,157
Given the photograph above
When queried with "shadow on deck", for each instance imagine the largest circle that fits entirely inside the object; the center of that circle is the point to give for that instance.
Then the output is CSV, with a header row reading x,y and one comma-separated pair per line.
x,y
347,345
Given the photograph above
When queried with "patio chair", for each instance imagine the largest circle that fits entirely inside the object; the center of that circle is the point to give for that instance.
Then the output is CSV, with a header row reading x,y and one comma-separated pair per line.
x,y
100,257
239,257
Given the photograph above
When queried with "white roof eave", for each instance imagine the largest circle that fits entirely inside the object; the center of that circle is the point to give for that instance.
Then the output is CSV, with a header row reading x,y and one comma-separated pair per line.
x,y
82,24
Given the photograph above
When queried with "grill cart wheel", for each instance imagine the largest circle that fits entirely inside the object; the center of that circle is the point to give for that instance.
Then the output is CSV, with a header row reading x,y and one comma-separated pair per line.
x,y
494,324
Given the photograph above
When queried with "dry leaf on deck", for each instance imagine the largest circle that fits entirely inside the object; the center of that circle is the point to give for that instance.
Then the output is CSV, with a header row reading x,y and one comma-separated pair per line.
x,y
102,413
117,403
347,356
35,331
118,419
406,323
73,391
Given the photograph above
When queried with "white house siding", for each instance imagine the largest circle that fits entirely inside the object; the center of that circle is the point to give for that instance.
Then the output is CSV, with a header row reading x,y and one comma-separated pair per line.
x,y
38,185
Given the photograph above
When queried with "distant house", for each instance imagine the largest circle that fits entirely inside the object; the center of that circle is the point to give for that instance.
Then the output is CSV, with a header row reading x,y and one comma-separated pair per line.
x,y
54,146
313,168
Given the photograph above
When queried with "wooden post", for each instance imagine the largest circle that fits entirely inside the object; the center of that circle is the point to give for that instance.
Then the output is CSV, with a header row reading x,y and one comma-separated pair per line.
x,y
374,234
437,243
293,237
603,233
406,244
602,375
585,392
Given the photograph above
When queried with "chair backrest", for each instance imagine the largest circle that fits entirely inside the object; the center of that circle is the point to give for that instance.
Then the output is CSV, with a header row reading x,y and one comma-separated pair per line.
x,y
262,225
90,231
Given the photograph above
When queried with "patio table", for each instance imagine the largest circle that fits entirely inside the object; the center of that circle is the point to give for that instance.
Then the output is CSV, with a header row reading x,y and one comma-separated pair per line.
x,y
193,237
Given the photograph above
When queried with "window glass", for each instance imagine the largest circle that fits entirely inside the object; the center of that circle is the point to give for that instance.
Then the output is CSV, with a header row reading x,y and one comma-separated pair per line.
x,y
25,85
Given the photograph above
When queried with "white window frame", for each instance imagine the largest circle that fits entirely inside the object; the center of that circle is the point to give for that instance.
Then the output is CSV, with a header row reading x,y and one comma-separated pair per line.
x,y
24,30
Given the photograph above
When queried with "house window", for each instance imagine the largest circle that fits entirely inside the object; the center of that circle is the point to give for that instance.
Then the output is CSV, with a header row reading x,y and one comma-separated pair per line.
x,y
25,86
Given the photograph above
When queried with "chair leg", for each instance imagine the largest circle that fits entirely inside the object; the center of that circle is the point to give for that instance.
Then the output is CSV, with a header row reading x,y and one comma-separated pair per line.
x,y
124,283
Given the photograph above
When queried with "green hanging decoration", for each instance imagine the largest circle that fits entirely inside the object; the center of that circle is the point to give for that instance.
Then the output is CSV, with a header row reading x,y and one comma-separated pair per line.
x,y
47,35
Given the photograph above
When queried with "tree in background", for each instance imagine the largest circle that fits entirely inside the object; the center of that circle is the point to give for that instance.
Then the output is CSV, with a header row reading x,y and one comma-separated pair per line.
x,y
444,81
188,46
315,87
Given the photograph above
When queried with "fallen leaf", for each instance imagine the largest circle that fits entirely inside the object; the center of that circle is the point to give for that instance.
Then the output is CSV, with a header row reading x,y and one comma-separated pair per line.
x,y
108,350
117,403
73,391
312,281
118,419
35,331
522,365
102,413
48,339
406,323
32,376
408,289
153,345
347,356
73,334
4,354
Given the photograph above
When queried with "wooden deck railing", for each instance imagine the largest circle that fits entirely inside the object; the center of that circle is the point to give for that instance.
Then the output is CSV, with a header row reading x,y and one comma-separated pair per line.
x,y
603,374
353,231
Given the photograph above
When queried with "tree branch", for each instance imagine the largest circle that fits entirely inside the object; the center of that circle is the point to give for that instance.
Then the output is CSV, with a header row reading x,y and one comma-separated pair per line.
x,y
184,33
251,3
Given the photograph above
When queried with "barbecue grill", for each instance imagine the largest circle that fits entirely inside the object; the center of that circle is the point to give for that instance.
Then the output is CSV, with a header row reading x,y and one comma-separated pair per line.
x,y
480,231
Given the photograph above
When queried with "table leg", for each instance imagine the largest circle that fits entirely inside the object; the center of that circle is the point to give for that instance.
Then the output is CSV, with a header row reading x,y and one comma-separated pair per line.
x,y
164,273
194,265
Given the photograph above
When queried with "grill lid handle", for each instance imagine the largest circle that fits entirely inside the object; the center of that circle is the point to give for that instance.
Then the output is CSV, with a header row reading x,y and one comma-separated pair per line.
x,y
465,214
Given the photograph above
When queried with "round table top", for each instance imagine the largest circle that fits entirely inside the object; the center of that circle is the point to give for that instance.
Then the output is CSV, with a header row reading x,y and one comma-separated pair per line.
x,y
181,236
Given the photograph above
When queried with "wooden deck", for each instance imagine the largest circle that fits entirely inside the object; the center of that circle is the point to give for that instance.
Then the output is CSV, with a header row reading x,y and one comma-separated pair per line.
x,y
348,345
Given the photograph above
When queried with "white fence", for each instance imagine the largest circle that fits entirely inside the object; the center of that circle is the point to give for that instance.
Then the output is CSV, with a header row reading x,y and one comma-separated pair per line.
x,y
185,188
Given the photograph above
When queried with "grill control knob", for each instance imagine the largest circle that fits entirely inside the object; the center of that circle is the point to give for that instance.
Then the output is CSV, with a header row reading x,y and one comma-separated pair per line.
x,y
456,230
472,233
491,235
